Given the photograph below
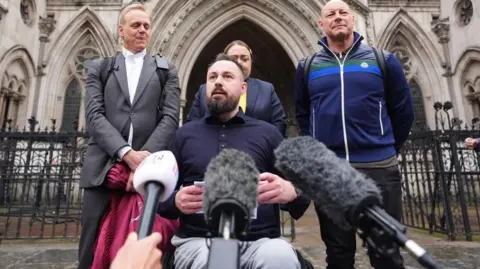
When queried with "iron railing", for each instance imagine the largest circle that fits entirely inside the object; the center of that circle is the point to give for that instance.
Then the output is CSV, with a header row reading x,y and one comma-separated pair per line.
x,y
40,171
441,177
39,174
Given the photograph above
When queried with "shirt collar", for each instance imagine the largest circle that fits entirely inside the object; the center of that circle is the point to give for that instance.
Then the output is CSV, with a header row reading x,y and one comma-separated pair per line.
x,y
239,118
128,54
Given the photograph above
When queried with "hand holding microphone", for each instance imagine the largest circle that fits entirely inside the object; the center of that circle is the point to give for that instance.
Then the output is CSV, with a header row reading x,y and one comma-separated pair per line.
x,y
139,254
155,179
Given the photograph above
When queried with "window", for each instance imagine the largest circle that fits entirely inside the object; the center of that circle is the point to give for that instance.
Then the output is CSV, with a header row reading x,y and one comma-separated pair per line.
x,y
71,106
420,121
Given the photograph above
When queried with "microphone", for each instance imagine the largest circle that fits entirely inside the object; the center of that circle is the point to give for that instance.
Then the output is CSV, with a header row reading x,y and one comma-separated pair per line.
x,y
155,179
229,198
348,197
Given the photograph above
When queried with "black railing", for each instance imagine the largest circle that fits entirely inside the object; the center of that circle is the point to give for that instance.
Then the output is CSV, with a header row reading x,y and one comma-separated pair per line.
x,y
39,173
40,170
441,177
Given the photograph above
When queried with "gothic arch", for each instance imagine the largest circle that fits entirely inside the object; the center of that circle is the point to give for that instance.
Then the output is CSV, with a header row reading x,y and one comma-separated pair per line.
x,y
17,81
203,21
84,35
415,50
466,70
402,27
471,53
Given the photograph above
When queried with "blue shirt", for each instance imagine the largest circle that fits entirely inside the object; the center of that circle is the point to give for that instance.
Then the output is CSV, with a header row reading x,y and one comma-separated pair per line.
x,y
197,142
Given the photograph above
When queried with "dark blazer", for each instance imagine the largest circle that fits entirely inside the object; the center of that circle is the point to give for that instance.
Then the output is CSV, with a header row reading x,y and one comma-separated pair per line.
x,y
108,117
262,103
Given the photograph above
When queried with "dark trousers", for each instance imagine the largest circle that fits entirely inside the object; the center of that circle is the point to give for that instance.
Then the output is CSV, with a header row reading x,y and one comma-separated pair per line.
x,y
95,202
341,244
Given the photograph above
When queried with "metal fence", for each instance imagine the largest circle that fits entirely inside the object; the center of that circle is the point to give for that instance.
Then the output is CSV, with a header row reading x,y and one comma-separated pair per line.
x,y
39,174
40,171
441,177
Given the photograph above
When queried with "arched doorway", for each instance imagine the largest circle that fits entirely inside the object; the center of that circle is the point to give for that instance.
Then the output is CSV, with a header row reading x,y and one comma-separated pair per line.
x,y
270,62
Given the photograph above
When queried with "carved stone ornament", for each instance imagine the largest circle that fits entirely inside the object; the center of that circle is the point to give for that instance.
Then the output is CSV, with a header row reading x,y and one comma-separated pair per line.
x,y
46,26
84,2
3,11
26,11
87,51
464,12
442,29
404,57
192,5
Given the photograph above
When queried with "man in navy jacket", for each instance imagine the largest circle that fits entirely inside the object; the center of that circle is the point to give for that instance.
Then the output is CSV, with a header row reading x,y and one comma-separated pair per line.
x,y
344,104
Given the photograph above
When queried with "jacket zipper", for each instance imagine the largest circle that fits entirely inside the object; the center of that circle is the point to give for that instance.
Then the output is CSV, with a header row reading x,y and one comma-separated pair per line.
x,y
313,120
342,63
380,116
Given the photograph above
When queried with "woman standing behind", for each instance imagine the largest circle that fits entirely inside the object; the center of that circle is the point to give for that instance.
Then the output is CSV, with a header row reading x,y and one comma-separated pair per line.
x,y
260,101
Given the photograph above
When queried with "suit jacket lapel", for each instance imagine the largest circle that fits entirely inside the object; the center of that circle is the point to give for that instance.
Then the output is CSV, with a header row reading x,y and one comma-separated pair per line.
x,y
252,95
121,75
149,67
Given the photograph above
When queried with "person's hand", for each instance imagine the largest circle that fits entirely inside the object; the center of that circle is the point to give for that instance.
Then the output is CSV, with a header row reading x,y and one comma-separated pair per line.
x,y
139,254
471,143
130,183
134,158
189,199
273,189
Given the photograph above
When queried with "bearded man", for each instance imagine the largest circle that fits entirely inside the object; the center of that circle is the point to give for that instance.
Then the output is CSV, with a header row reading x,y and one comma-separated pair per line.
x,y
197,142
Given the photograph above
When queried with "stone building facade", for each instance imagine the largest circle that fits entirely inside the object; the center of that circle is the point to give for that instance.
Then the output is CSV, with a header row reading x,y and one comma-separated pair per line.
x,y
45,43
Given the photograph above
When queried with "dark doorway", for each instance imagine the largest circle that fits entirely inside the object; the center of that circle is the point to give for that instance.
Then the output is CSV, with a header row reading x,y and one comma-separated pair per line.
x,y
270,63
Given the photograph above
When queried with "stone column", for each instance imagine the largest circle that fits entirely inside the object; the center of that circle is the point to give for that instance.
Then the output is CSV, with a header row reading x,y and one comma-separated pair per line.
x,y
441,28
46,26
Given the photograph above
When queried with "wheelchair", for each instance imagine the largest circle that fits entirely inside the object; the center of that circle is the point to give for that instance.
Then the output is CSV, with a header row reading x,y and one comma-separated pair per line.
x,y
168,261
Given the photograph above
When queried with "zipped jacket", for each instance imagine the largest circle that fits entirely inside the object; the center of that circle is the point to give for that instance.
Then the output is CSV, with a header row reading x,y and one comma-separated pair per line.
x,y
342,104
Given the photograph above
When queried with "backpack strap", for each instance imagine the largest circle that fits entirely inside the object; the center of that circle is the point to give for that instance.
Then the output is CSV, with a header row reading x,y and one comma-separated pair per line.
x,y
107,66
162,69
162,73
306,69
380,58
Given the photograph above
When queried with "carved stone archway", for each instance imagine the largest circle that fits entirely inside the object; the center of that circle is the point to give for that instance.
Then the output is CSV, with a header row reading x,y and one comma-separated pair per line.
x,y
200,21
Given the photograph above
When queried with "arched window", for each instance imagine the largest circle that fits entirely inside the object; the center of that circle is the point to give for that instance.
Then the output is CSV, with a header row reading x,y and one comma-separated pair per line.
x,y
420,122
71,106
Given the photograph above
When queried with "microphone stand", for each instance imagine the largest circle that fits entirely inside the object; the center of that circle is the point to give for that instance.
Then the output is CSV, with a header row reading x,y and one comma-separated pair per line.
x,y
383,233
150,204
230,218
225,252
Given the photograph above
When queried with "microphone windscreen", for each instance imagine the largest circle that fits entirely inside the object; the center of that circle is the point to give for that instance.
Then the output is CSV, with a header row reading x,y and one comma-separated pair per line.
x,y
232,174
160,167
340,191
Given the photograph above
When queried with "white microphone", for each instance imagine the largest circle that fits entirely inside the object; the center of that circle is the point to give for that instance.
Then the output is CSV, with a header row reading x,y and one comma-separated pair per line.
x,y
155,179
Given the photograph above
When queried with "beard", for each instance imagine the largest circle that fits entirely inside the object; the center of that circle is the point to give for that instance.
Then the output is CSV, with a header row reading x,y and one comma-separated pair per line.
x,y
218,106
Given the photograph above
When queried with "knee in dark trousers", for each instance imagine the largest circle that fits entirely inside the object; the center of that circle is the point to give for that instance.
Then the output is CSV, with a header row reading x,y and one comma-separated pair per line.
x,y
95,202
341,245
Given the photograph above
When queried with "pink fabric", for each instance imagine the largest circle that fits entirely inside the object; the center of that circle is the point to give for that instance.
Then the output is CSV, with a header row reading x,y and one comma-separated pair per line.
x,y
123,217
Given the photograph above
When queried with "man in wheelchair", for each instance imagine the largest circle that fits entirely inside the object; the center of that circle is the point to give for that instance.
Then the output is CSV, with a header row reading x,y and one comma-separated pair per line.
x,y
196,143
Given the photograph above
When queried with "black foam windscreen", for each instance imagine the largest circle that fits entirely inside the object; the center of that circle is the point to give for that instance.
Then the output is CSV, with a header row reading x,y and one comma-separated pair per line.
x,y
338,189
230,176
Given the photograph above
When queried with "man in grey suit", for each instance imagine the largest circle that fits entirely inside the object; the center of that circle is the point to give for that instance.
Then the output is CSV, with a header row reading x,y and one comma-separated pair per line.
x,y
129,116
